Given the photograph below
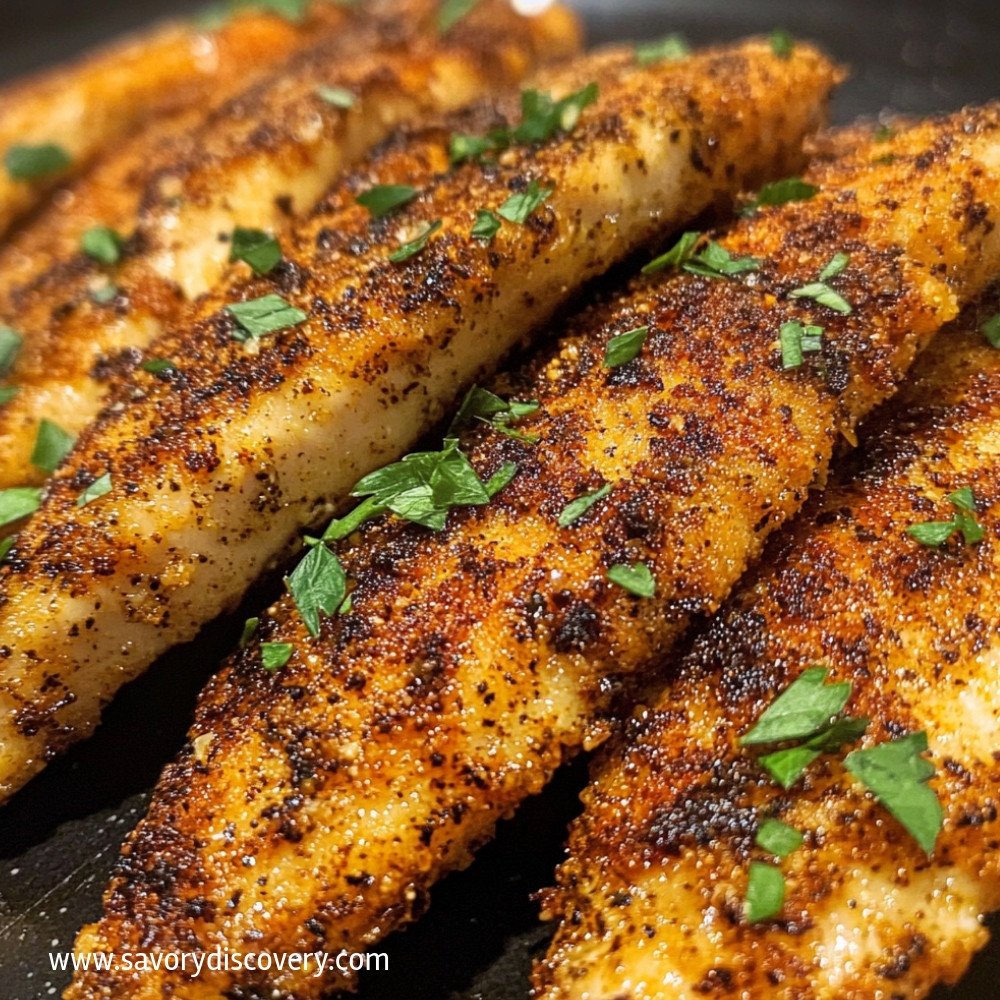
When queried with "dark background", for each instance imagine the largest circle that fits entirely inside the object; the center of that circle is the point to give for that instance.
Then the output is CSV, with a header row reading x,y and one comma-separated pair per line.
x,y
58,838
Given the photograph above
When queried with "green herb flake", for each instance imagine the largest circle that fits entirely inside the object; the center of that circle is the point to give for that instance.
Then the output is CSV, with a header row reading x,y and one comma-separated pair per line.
x,y
636,579
765,892
715,261
7,393
542,117
573,511
488,408
250,627
268,314
788,765
385,198
10,345
52,445
6,544
486,226
836,265
625,347
934,534
18,502
824,295
676,256
100,487
782,43
519,207
781,193
275,655
797,341
105,294
416,245
471,147
778,838
991,330
668,49
501,479
339,97
425,486
452,11
103,244
317,585
805,708
883,133
897,775
255,247
25,163
158,366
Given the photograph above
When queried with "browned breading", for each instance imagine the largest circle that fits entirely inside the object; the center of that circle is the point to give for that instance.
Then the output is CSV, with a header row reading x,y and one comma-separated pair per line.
x,y
651,899
313,807
217,467
94,103
261,157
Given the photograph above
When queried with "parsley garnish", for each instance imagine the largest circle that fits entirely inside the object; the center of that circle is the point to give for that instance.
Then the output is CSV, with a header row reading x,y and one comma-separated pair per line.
x,y
936,533
782,43
778,838
275,655
797,341
339,97
991,330
671,48
714,261
488,408
821,292
103,244
318,584
100,487
10,344
25,163
18,502
250,627
104,295
518,207
806,707
625,347
501,479
677,255
837,264
416,245
765,892
385,198
452,11
158,366
7,393
255,247
541,118
637,579
573,511
781,193
486,226
896,774
6,544
786,766
267,314
52,445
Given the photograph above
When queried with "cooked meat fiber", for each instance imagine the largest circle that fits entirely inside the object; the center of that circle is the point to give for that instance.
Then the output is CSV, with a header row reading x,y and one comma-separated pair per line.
x,y
314,806
651,898
217,465
268,153
91,105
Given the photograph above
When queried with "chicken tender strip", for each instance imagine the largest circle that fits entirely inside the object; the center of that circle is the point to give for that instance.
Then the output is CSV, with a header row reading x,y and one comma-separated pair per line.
x,y
651,898
218,464
314,805
89,106
270,152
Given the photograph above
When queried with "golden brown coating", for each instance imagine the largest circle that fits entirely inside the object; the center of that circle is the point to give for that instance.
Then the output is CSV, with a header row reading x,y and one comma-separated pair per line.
x,y
217,467
90,105
315,806
651,899
267,154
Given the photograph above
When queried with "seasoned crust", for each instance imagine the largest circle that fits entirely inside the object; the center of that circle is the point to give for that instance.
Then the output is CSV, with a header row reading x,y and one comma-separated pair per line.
x,y
474,660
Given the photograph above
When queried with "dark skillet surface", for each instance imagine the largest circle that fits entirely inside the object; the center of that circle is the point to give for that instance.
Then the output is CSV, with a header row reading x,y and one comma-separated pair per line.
x,y
59,837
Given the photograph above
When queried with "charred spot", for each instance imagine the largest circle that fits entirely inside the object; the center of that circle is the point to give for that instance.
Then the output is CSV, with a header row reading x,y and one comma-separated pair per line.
x,y
579,626
635,374
901,959
717,980
123,363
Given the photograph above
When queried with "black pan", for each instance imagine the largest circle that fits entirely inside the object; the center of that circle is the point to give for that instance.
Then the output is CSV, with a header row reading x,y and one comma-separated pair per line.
x,y
59,837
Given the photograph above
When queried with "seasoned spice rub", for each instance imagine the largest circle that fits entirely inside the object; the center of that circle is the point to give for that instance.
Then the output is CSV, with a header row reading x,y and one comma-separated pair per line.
x,y
652,897
268,153
85,108
217,463
314,805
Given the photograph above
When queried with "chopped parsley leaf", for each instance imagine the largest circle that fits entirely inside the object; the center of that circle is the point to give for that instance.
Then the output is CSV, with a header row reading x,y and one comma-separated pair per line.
x,y
452,11
991,330
636,579
778,838
103,244
339,97
625,347
781,193
18,502
25,163
100,487
782,43
158,366
10,345
934,534
317,585
8,392
486,226
667,49
105,294
52,445
485,406
788,765
385,198
416,245
765,892
574,510
250,627
797,341
806,707
255,247
268,314
823,294
836,265
275,655
676,256
518,207
715,261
